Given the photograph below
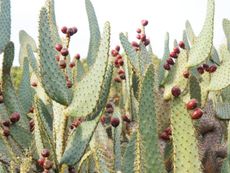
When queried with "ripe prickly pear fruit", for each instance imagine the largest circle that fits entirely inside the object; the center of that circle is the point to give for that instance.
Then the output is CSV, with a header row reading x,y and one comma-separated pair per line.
x,y
14,117
176,91
197,113
115,122
192,104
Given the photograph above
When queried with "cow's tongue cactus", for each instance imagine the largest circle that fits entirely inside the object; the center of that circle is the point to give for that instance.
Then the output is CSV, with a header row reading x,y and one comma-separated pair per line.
x,y
131,112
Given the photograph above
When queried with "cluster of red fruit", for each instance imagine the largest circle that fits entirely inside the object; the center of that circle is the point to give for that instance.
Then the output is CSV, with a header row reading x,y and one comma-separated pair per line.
x,y
173,56
14,117
192,105
205,67
76,122
141,36
165,135
44,162
118,63
114,121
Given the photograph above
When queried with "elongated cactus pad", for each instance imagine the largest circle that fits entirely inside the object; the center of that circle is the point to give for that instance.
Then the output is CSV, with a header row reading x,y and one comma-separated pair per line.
x,y
95,35
153,161
53,80
5,21
185,145
88,91
202,47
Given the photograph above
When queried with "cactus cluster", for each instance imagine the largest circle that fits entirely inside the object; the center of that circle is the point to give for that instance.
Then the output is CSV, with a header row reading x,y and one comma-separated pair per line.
x,y
119,110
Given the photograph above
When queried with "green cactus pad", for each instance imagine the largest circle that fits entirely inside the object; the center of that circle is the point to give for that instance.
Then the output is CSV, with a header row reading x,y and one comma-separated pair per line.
x,y
202,47
162,72
117,142
80,71
129,155
130,52
5,20
144,59
32,60
25,39
3,168
88,92
95,35
153,161
52,20
10,98
25,93
223,110
53,80
226,27
175,77
195,89
221,78
78,142
185,145
204,85
190,33
185,40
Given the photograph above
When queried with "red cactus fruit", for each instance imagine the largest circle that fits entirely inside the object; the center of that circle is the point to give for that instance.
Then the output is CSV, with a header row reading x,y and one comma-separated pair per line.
x,y
176,91
45,153
118,57
197,113
135,44
192,104
1,99
14,117
117,79
6,123
114,53
70,31
212,68
186,74
144,22
138,36
64,29
117,48
121,62
41,161
110,110
176,50
146,42
115,121
181,45
72,64
200,70
164,136
74,30
58,47
170,61
168,130
34,84
77,56
6,131
69,84
167,66
121,71
143,37
173,55
109,105
206,67
62,64
138,30
64,52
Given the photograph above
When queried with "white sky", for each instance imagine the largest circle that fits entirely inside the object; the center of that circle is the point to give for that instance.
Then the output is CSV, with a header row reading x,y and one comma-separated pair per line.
x,y
124,15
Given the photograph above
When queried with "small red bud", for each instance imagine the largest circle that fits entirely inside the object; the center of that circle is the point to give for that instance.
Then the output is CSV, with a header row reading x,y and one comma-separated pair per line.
x,y
167,66
144,22
181,45
45,153
176,91
115,122
212,68
197,113
58,47
64,29
138,30
192,104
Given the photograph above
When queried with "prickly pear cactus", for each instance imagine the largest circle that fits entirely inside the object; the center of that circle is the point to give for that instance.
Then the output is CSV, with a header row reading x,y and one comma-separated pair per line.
x,y
117,110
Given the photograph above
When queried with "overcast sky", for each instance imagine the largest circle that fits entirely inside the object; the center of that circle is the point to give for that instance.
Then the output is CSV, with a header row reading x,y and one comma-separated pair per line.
x,y
124,15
